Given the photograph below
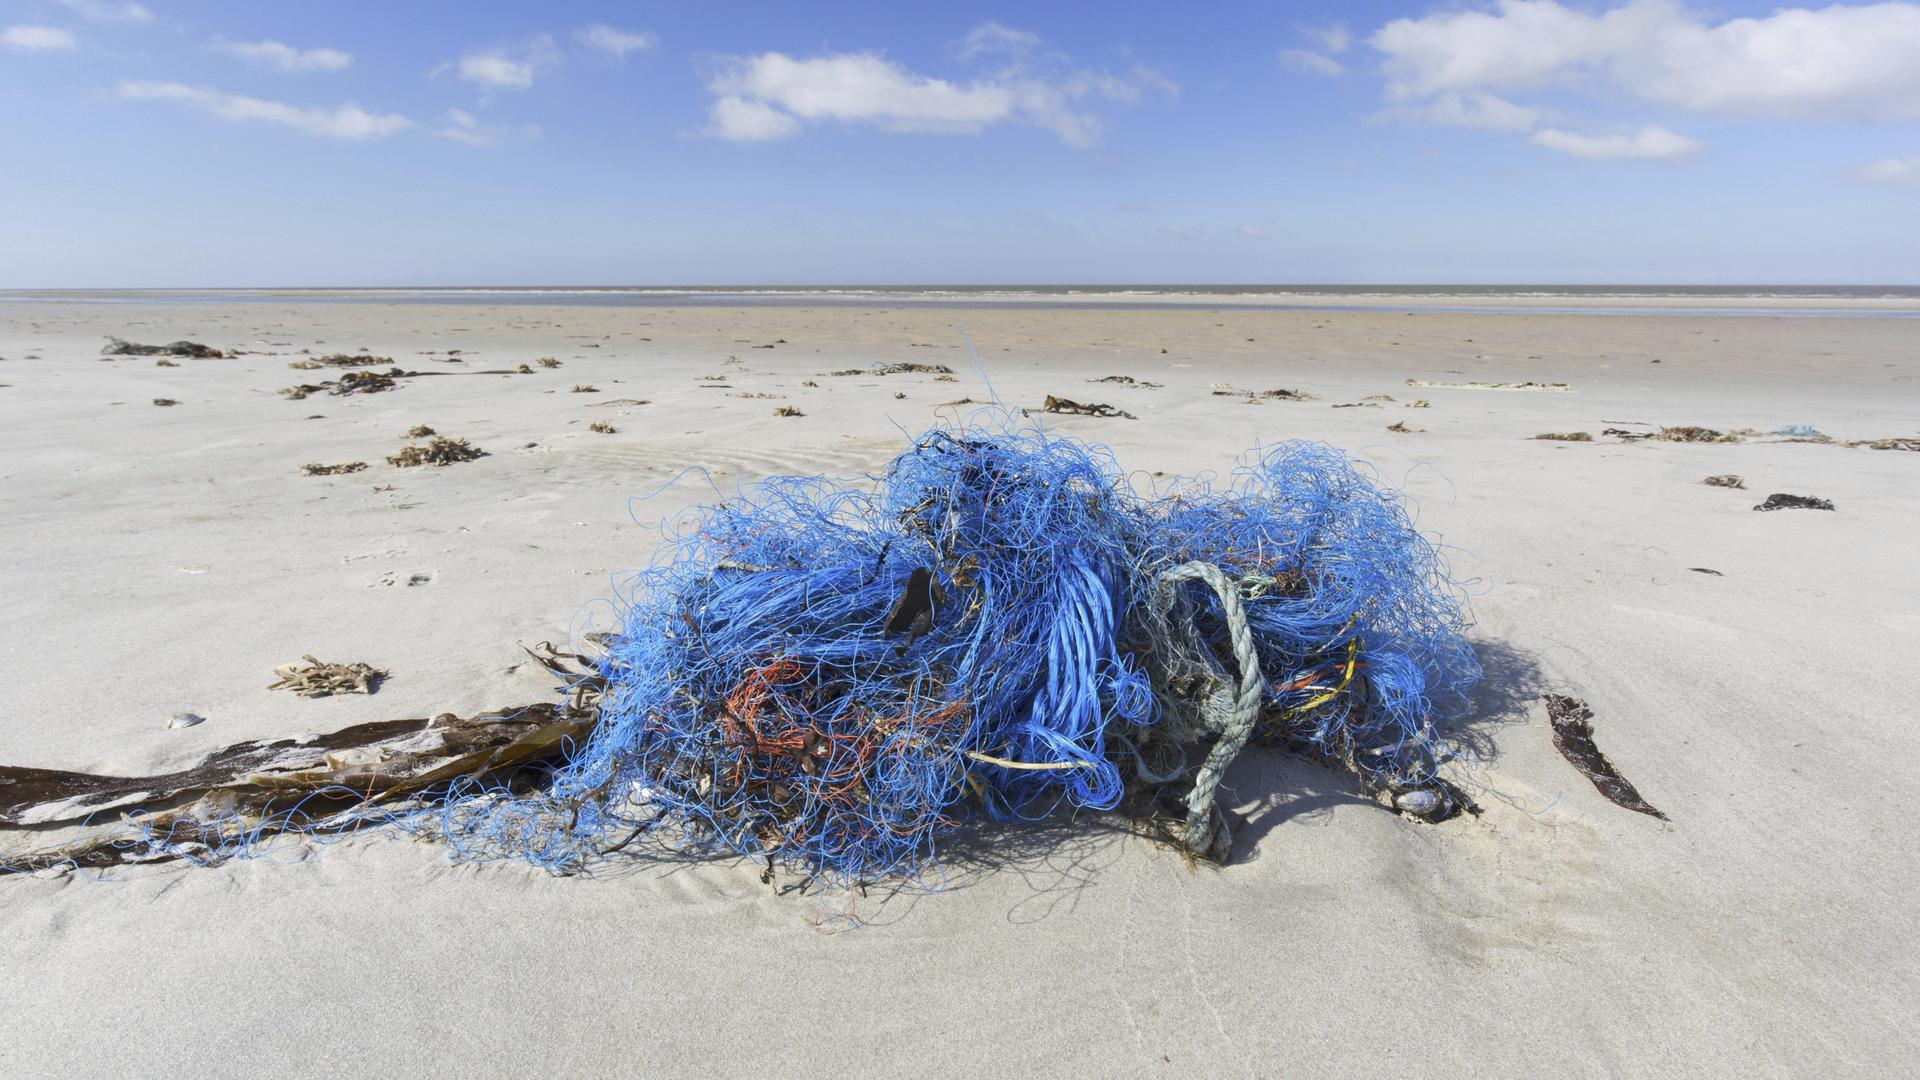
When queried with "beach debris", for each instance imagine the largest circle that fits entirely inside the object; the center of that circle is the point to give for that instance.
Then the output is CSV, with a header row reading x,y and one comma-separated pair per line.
x,y
351,382
317,679
548,362
1229,390
760,394
523,370
1378,397
899,395
1127,380
945,378
184,720
1357,405
164,362
1548,387
896,368
441,451
1565,436
1572,724
164,401
332,470
1074,408
619,401
1627,436
788,410
1705,570
834,675
809,383
1794,502
1419,403
602,427
1694,434
236,797
1401,426
341,360
584,388
1798,431
1725,480
117,347
1898,442
419,431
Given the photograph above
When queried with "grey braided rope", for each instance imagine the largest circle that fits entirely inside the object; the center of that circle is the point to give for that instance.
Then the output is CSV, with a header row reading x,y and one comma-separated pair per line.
x,y
1237,726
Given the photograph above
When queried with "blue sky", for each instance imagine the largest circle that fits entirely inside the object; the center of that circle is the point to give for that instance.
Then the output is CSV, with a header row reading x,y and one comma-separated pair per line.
x,y
165,143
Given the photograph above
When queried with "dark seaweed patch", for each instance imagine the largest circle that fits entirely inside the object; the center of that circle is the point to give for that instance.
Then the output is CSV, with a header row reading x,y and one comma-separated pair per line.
x,y
1573,737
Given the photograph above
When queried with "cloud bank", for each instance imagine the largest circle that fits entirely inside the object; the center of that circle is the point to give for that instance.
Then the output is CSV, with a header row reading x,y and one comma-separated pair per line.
x,y
273,54
347,121
774,95
36,38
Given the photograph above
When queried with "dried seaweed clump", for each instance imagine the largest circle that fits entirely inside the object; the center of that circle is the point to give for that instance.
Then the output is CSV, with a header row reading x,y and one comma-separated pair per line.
x,y
353,382
420,431
1074,408
1401,427
316,679
332,470
602,427
347,360
1691,433
1795,502
788,410
164,401
583,388
1127,380
117,347
1725,480
547,362
1898,442
441,451
164,362
1565,436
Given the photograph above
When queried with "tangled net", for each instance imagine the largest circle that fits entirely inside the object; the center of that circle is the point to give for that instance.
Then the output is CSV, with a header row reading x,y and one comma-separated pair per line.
x,y
835,676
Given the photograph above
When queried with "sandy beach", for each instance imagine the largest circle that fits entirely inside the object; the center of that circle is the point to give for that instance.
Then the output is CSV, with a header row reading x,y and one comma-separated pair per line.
x,y
165,559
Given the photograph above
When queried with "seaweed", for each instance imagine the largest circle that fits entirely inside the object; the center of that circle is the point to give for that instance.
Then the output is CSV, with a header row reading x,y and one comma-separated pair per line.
x,y
1725,480
1795,502
332,470
1572,724
318,679
1565,436
344,360
1693,433
441,451
1074,408
117,347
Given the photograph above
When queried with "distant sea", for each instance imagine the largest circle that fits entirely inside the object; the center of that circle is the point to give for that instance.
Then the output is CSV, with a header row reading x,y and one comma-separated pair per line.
x,y
1853,301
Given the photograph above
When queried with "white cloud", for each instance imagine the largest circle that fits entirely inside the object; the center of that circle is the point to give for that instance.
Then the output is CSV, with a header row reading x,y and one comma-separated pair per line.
x,y
774,95
615,43
508,69
1307,62
1647,144
1839,61
36,37
284,57
465,128
1331,39
101,11
1894,172
1482,111
347,121
990,38
750,121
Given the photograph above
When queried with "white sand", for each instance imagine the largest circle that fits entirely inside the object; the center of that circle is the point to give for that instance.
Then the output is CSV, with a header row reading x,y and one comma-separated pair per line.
x,y
165,559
